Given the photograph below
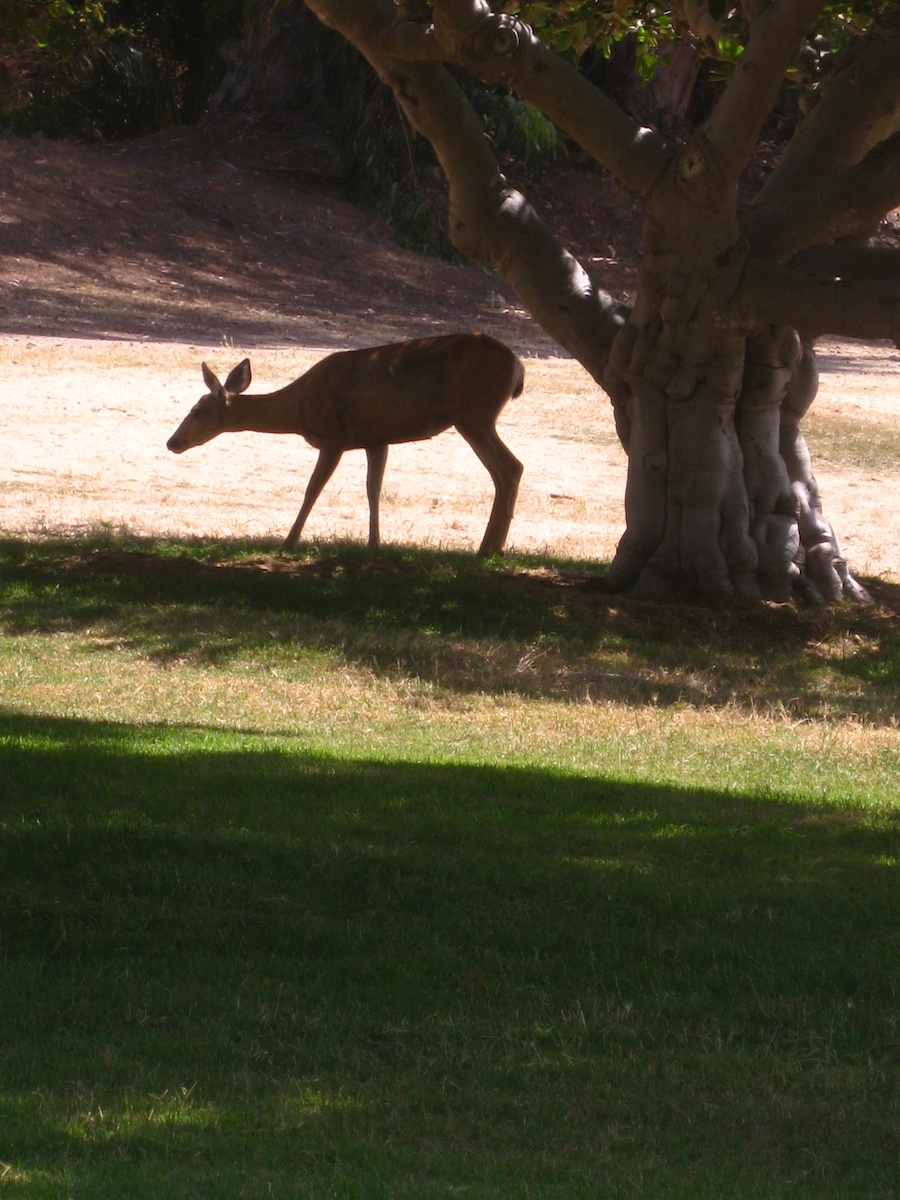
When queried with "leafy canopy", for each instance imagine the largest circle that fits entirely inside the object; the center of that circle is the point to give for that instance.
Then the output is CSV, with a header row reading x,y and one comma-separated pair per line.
x,y
717,27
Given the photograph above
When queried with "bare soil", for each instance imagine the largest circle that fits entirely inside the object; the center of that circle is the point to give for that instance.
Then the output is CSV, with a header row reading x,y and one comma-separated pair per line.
x,y
236,232
123,266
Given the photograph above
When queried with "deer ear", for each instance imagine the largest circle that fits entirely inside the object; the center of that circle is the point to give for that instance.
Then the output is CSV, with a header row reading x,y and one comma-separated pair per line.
x,y
210,380
239,379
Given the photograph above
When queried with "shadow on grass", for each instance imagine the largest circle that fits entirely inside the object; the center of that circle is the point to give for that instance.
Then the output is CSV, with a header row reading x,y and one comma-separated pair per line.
x,y
227,967
525,625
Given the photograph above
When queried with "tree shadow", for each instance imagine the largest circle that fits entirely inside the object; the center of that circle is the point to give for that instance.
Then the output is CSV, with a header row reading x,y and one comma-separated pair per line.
x,y
527,626
291,955
233,246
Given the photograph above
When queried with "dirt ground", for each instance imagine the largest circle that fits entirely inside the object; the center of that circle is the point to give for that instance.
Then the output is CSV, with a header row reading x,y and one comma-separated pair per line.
x,y
122,267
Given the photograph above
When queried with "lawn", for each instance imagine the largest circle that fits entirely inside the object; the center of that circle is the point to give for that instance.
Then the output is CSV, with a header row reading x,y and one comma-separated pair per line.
x,y
418,876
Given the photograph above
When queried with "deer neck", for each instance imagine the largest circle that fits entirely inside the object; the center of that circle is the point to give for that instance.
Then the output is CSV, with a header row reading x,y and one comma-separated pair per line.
x,y
271,412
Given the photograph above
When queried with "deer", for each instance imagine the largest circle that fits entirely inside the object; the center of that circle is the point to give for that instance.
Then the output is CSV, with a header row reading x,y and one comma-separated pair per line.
x,y
374,398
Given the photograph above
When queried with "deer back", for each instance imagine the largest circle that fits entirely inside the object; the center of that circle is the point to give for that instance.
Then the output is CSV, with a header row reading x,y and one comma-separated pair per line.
x,y
405,391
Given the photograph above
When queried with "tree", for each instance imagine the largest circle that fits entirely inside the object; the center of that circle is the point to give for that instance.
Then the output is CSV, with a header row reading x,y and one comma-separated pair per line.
x,y
713,369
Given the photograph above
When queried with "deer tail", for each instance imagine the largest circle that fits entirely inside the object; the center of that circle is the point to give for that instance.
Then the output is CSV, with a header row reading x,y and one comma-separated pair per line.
x,y
519,381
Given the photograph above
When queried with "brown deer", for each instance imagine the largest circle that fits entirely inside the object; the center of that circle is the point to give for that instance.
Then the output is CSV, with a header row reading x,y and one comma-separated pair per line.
x,y
371,399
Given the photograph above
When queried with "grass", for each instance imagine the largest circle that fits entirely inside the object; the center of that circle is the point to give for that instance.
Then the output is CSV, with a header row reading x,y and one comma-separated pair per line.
x,y
461,627
860,444
420,877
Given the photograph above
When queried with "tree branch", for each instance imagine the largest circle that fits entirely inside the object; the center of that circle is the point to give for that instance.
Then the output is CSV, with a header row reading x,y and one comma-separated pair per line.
x,y
859,264
859,108
775,33
497,48
488,219
772,293
846,205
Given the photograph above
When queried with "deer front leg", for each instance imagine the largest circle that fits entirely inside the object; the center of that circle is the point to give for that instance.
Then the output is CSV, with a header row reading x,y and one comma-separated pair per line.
x,y
506,471
377,460
324,469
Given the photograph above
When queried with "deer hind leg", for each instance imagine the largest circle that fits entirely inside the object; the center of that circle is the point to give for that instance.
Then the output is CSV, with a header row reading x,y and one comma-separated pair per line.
x,y
377,459
506,471
324,469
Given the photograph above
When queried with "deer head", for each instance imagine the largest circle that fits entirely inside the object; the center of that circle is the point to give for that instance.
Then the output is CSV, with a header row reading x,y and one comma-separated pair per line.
x,y
209,416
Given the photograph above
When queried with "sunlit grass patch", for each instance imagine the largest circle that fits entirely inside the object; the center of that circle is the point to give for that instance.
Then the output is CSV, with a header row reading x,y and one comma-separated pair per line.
x,y
412,875
858,442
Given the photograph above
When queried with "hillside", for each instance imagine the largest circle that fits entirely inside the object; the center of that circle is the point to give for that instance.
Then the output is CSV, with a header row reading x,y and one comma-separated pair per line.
x,y
243,231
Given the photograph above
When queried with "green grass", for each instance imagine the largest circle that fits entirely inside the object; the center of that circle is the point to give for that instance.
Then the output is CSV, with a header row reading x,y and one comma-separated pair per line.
x,y
423,877
531,628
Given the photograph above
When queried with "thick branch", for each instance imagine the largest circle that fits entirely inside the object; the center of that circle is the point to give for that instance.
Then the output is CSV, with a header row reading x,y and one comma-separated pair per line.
x,y
733,128
499,49
488,219
849,204
859,264
859,108
772,293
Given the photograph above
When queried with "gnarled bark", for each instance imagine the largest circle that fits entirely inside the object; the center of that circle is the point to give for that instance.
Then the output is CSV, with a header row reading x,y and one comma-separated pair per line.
x,y
713,370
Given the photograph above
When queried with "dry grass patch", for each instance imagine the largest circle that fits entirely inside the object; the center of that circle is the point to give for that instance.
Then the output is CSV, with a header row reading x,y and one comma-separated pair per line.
x,y
88,453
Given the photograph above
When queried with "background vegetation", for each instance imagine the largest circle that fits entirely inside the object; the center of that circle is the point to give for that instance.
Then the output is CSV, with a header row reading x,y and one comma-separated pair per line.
x,y
114,69
110,69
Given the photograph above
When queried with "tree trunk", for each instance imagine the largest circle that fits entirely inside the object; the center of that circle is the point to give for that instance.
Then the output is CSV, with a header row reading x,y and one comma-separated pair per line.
x,y
713,370
676,76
